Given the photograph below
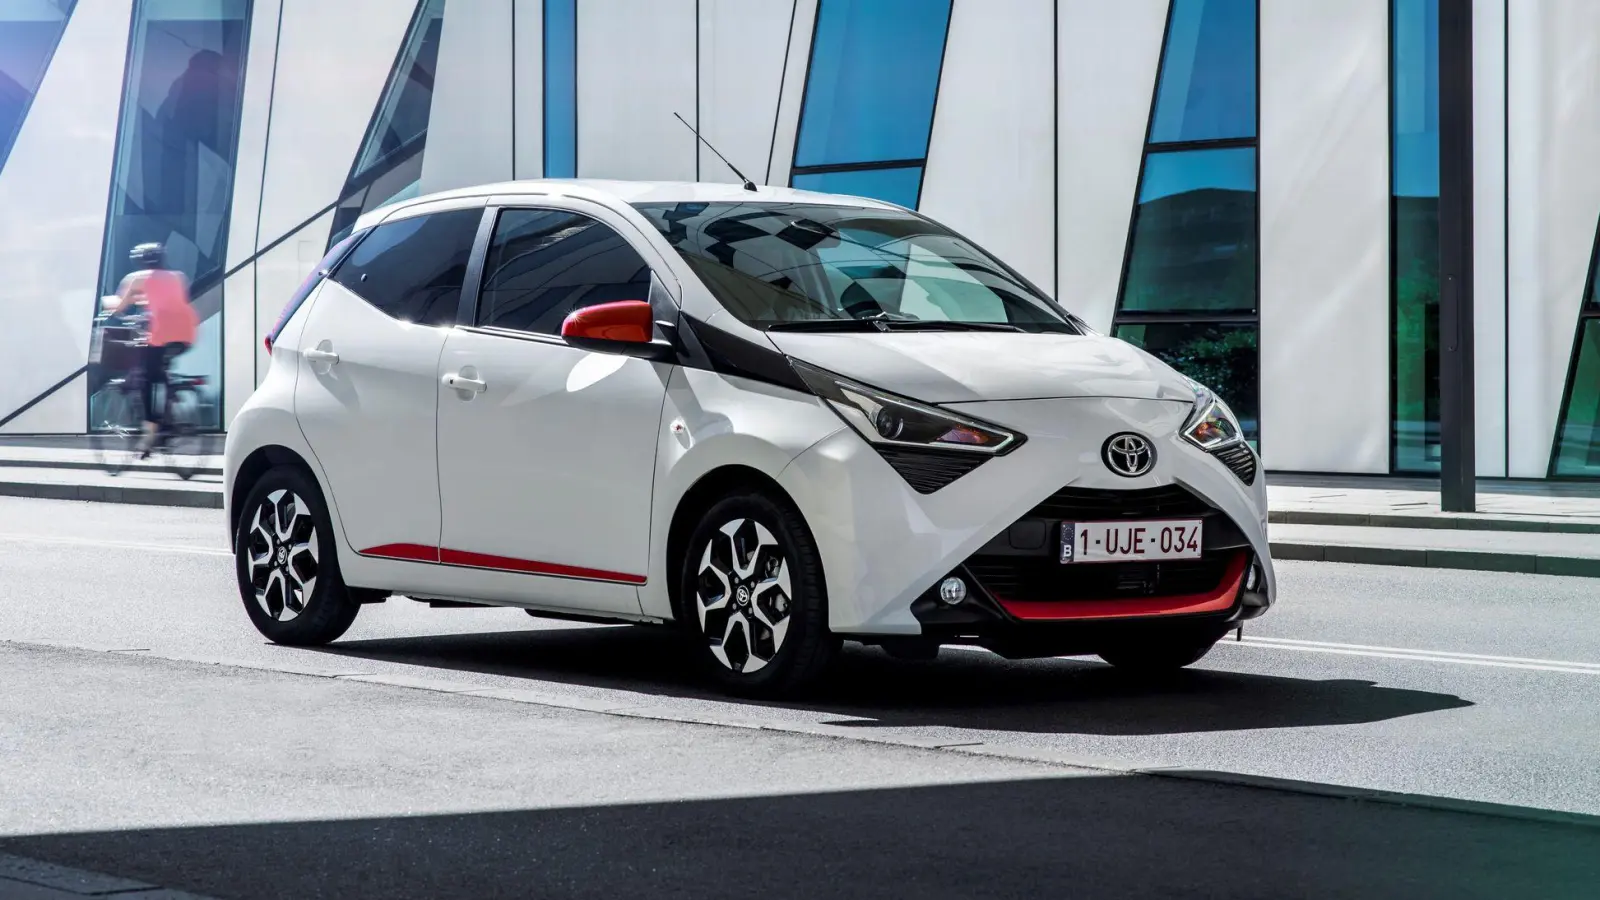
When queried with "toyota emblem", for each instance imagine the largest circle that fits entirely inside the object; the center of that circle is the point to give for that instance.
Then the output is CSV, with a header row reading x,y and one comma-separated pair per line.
x,y
1129,455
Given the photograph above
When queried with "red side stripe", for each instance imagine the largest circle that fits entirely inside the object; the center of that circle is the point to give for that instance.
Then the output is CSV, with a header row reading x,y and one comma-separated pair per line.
x,y
507,564
407,552
1211,601
464,559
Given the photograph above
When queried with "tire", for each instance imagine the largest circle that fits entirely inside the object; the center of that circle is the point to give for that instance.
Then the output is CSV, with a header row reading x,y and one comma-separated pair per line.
x,y
287,565
753,599
1162,654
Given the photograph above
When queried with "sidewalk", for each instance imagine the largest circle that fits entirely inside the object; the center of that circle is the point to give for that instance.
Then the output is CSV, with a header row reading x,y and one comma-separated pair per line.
x,y
1523,526
74,473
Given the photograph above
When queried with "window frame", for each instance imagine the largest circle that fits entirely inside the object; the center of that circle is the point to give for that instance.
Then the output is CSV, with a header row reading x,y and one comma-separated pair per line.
x,y
662,293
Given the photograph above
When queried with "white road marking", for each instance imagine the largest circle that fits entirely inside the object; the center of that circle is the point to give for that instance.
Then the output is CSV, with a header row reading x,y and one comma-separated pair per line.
x,y
1434,656
122,545
1408,653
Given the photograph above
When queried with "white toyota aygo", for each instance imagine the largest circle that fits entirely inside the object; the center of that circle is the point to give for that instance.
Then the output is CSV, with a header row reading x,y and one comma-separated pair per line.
x,y
775,419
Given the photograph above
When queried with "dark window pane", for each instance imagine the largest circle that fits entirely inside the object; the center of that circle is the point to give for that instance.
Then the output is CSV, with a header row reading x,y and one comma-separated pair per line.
x,y
1223,357
1194,233
176,147
890,185
872,81
388,167
1208,72
1578,444
29,32
1416,334
543,264
413,269
560,88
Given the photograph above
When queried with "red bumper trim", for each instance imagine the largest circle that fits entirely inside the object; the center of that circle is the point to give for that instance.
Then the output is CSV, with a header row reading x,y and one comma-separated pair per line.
x,y
1216,600
467,560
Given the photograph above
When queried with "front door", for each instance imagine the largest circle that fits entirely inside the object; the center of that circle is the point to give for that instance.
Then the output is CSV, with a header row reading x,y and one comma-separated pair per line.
x,y
547,451
367,393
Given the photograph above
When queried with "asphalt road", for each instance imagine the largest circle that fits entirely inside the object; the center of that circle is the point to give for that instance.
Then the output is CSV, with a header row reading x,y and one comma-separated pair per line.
x,y
147,731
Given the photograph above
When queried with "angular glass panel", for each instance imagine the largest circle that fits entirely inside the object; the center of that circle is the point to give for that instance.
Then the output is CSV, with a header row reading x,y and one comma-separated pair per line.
x,y
1194,234
1208,73
176,146
872,82
1415,224
388,167
1223,357
560,88
1577,450
889,185
29,32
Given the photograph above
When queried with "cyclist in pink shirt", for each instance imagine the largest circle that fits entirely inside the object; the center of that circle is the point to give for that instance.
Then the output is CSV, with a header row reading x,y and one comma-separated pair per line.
x,y
171,324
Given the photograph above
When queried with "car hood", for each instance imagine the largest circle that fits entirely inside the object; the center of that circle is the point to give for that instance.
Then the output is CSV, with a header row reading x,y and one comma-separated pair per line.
x,y
962,367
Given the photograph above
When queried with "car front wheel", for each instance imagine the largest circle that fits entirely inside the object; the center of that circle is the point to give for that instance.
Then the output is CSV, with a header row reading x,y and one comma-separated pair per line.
x,y
754,600
287,569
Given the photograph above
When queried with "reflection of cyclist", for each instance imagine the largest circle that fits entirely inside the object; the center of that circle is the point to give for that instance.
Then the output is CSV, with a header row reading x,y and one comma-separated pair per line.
x,y
169,321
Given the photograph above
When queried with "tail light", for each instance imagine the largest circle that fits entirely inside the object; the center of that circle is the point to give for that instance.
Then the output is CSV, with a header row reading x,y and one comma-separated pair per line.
x,y
322,270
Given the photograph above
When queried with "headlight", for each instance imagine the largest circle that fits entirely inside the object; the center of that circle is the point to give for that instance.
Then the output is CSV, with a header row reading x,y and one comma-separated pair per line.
x,y
1212,424
886,420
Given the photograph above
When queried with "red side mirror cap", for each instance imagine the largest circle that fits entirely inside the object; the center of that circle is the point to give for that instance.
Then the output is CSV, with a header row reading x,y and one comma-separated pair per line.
x,y
626,321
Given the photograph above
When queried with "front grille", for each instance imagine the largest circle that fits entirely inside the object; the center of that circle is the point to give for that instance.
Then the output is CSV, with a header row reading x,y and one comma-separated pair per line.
x,y
1240,460
1035,579
928,471
1093,505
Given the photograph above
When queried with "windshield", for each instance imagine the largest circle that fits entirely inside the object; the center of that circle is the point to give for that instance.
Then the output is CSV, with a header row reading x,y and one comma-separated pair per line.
x,y
802,266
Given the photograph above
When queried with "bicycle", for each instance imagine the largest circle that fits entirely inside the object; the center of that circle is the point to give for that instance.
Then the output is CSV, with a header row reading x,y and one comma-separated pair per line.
x,y
117,413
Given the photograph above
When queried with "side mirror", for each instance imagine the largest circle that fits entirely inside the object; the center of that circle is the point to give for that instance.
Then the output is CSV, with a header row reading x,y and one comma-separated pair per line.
x,y
626,327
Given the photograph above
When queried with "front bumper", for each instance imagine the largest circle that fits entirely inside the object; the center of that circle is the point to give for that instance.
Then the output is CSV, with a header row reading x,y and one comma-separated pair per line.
x,y
885,547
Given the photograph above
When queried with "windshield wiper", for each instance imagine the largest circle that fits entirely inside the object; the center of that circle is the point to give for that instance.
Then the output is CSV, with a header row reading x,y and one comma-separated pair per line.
x,y
885,322
946,325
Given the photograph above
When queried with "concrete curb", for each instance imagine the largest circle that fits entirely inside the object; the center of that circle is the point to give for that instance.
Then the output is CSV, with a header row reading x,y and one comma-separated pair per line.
x,y
1439,521
135,495
85,466
1472,560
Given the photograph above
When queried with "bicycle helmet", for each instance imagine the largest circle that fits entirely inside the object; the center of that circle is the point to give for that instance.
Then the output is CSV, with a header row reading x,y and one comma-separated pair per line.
x,y
148,256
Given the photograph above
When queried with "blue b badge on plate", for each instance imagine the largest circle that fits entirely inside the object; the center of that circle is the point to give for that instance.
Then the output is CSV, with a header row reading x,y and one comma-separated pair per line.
x,y
1068,532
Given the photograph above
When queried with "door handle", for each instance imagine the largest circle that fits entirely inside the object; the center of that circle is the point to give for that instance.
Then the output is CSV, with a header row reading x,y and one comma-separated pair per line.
x,y
319,355
459,382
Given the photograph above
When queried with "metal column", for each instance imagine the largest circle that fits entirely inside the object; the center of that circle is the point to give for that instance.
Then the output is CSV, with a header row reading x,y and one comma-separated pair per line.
x,y
1458,485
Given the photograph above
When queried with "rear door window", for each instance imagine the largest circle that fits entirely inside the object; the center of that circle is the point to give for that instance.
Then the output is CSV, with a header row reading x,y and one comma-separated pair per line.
x,y
413,269
545,263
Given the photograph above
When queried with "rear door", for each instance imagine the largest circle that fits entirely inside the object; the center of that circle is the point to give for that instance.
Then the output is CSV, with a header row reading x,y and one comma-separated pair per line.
x,y
367,396
547,460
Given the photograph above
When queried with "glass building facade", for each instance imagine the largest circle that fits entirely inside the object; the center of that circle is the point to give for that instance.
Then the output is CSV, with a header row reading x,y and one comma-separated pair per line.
x,y
867,116
1414,248
1190,281
388,167
1576,453
177,143
29,32
561,88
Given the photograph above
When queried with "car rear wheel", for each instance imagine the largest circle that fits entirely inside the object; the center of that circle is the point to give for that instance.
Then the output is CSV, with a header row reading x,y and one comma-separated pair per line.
x,y
753,597
1161,654
287,568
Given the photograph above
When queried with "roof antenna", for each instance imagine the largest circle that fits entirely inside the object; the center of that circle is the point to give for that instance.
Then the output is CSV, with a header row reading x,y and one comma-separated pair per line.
x,y
748,184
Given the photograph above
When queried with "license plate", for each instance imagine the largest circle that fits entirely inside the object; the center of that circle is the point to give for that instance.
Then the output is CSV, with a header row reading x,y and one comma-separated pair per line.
x,y
1095,542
